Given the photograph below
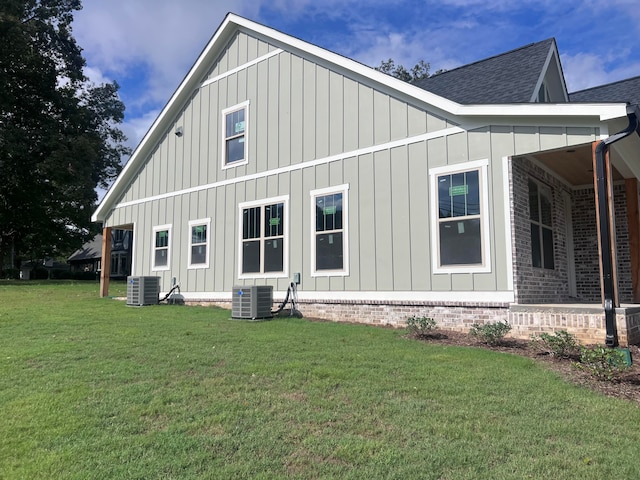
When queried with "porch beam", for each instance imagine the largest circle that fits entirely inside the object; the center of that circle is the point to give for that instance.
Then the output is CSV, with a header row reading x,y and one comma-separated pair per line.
x,y
633,222
105,271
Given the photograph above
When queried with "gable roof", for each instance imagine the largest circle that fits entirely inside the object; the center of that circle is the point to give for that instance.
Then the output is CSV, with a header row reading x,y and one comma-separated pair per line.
x,y
89,251
511,77
623,91
434,102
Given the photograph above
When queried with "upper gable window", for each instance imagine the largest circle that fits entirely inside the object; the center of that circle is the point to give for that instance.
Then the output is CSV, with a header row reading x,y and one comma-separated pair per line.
x,y
235,122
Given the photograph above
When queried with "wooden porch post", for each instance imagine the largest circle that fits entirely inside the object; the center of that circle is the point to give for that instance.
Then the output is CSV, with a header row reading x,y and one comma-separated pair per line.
x,y
612,227
633,222
106,262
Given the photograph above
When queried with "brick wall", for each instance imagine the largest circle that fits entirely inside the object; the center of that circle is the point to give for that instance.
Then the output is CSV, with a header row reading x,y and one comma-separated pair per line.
x,y
538,285
586,323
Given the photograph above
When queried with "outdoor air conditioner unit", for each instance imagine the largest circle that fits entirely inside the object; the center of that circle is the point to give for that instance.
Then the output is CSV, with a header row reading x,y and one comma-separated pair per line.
x,y
143,290
252,302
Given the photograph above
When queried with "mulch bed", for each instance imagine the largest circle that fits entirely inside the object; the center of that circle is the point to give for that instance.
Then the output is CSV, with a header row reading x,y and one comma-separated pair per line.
x,y
626,386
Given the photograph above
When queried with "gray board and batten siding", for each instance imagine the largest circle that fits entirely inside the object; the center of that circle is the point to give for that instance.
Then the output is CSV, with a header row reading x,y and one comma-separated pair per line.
x,y
312,126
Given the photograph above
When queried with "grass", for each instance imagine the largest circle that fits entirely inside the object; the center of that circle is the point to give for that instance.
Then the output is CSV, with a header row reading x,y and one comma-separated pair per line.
x,y
91,388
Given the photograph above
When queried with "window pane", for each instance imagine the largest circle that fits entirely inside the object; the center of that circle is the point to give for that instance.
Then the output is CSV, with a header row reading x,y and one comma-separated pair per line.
x,y
458,194
534,213
273,255
235,149
536,247
234,123
251,223
162,238
329,212
251,257
199,254
199,234
473,193
460,242
545,206
329,253
444,199
273,220
547,242
161,257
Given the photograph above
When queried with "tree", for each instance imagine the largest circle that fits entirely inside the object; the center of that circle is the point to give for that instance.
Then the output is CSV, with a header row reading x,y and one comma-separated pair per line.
x,y
58,133
420,70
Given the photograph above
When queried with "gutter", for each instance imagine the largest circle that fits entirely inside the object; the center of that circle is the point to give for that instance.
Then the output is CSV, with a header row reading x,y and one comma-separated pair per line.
x,y
602,188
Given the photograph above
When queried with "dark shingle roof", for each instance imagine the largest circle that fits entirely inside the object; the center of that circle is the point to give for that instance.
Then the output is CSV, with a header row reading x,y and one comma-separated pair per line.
x,y
510,77
89,251
624,91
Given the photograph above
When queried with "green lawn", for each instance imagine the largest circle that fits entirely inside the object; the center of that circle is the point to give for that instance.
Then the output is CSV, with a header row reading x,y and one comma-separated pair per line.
x,y
91,388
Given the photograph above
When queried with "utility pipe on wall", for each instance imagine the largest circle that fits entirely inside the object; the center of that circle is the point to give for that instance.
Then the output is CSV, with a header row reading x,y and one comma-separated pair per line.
x,y
606,247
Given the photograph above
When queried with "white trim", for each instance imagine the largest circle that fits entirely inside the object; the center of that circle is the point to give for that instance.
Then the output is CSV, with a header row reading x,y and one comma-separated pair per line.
x,y
284,199
133,247
298,166
194,223
244,66
160,228
235,108
232,23
505,296
482,167
344,189
508,237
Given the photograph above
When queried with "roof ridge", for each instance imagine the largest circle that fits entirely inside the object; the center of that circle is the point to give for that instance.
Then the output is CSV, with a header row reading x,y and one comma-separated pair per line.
x,y
529,45
605,85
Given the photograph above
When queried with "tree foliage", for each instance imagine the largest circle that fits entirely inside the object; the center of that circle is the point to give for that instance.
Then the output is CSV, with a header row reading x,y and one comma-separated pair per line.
x,y
420,70
58,132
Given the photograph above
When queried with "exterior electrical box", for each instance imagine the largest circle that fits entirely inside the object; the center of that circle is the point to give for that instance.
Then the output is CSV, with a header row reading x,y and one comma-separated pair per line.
x,y
252,302
143,290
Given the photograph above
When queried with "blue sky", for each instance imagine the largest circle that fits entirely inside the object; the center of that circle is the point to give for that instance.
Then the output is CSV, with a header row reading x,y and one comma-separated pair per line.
x,y
148,46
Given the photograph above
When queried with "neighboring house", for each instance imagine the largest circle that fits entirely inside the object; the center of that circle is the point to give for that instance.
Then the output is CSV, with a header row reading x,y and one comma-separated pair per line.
x,y
467,197
88,258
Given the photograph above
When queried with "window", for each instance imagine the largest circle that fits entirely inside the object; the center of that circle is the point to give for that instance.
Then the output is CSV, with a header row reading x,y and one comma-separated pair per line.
x,y
459,207
199,243
234,135
329,246
161,244
263,238
540,214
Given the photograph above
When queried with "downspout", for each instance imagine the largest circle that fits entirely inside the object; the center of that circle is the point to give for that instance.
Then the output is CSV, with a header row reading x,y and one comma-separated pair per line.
x,y
611,339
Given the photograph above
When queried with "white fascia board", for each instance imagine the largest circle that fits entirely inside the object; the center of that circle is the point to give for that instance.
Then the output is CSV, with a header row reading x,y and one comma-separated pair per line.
x,y
601,111
188,84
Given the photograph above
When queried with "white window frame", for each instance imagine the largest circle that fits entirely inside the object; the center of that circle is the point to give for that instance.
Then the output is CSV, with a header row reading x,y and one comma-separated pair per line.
x,y
241,106
284,199
196,223
344,190
482,167
157,229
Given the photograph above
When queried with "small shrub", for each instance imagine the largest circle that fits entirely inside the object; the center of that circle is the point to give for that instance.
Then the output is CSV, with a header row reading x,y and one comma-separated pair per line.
x,y
604,363
560,344
491,333
420,326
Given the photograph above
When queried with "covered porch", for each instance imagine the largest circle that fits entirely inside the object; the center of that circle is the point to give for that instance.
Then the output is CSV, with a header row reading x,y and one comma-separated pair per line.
x,y
576,238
